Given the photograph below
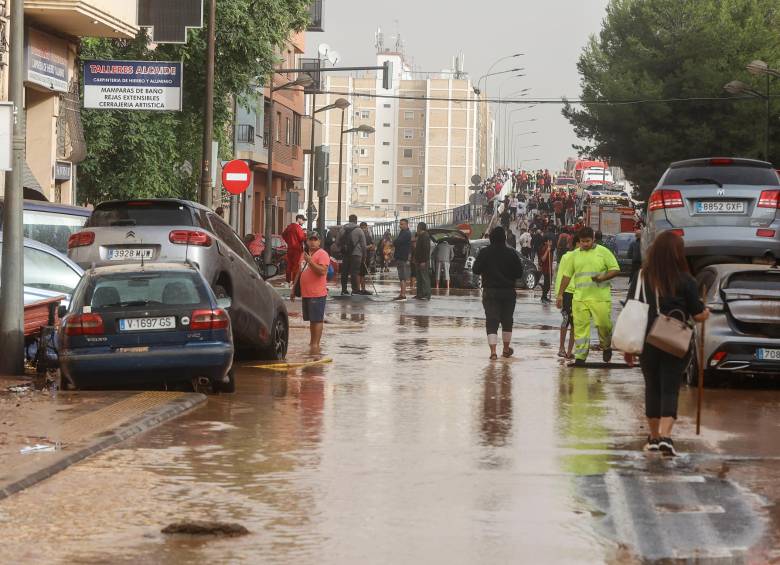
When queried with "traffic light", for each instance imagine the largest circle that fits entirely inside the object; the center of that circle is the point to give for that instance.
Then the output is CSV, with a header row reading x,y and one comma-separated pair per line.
x,y
321,175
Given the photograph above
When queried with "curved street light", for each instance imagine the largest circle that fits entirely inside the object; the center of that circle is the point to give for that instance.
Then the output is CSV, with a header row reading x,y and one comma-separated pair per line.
x,y
362,128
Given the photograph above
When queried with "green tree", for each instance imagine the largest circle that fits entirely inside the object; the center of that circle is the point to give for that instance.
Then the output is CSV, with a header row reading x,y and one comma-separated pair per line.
x,y
158,154
675,49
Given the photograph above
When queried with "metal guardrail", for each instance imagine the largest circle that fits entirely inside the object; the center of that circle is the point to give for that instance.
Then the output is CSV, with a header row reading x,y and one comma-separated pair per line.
x,y
466,214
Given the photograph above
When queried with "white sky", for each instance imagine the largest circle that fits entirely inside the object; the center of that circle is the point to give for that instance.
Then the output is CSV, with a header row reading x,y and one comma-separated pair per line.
x,y
551,33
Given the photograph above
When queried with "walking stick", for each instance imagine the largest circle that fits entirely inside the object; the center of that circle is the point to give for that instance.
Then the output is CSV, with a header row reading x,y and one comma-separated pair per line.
x,y
701,380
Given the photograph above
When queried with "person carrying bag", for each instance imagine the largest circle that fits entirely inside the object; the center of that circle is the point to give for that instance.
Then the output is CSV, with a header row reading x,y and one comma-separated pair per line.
x,y
672,300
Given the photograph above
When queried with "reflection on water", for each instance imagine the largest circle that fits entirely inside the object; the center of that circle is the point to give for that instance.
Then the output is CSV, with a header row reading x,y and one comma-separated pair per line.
x,y
497,404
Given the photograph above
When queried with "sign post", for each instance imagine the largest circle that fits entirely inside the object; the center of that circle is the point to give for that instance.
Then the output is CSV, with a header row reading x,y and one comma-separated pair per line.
x,y
236,176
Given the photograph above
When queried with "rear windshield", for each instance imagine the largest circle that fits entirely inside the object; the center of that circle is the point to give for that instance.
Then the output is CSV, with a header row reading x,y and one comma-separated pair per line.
x,y
140,213
52,228
722,174
755,281
142,289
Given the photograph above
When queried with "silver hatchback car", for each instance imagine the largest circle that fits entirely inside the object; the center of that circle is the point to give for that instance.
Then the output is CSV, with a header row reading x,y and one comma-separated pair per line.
x,y
169,230
726,209
742,336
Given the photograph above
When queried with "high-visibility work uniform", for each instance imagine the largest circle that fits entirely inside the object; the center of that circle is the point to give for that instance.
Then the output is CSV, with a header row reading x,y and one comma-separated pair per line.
x,y
592,300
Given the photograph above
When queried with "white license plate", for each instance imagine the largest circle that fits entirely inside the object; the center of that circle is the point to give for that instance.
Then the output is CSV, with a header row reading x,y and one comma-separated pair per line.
x,y
135,254
141,324
132,349
720,207
768,354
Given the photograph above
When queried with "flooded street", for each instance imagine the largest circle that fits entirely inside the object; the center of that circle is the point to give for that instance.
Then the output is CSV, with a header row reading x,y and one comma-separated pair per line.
x,y
412,447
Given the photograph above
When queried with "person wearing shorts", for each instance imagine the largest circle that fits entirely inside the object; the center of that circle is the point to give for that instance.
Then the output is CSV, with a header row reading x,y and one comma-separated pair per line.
x,y
314,289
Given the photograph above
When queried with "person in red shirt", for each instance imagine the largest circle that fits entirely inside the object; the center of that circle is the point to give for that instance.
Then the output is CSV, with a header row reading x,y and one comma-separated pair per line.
x,y
313,281
294,236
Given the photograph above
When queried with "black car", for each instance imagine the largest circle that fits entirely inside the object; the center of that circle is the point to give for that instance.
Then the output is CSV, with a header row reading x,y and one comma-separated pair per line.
x,y
529,280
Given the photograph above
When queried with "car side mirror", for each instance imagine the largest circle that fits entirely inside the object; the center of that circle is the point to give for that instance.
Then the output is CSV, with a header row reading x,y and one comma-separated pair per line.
x,y
224,303
61,311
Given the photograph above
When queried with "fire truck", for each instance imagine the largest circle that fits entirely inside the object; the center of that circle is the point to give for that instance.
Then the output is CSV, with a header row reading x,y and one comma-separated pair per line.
x,y
609,213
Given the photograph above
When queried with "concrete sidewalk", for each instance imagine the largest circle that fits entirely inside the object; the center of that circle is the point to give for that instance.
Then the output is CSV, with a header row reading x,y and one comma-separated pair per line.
x,y
42,433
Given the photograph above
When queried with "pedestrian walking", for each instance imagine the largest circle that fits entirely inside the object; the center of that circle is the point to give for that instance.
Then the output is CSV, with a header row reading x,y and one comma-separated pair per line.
x,y
499,268
403,248
546,268
313,284
635,254
294,236
668,288
442,257
422,262
567,319
525,243
590,270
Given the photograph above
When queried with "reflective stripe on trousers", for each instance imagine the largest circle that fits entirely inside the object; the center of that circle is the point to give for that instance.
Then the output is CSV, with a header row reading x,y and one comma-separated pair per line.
x,y
583,312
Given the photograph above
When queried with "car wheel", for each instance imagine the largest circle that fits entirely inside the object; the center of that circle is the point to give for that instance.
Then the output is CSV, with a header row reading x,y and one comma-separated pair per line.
x,y
530,281
228,387
691,375
277,348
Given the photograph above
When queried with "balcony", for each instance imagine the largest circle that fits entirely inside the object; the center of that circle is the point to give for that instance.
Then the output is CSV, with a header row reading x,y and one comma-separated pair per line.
x,y
85,18
315,20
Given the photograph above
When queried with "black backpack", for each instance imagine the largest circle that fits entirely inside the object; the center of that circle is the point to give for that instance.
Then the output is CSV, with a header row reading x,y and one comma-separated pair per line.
x,y
347,245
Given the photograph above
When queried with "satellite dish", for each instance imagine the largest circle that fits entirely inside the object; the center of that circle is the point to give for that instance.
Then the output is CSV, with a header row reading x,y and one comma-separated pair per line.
x,y
334,57
323,49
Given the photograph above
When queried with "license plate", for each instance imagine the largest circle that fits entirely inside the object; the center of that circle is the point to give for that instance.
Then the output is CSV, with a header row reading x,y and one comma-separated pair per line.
x,y
135,254
141,324
768,354
720,207
132,349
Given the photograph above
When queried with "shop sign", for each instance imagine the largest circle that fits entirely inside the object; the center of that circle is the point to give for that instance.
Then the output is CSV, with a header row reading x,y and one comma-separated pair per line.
x,y
133,85
62,171
46,60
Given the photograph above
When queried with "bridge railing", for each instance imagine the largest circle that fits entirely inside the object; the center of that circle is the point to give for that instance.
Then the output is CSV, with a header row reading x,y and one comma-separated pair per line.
x,y
466,214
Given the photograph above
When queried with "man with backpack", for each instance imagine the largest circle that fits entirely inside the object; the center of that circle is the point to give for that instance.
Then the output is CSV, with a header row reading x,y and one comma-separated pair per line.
x,y
352,244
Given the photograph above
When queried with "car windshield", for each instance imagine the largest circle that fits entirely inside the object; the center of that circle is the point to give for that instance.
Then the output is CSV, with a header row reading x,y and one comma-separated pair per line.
x,y
706,174
52,228
140,213
144,289
45,271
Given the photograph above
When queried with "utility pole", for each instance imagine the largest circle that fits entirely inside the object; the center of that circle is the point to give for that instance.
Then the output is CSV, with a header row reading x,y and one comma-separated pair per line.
x,y
12,282
204,196
269,174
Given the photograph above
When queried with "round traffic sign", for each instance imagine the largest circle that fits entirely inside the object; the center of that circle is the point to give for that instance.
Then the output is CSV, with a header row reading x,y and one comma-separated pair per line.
x,y
236,176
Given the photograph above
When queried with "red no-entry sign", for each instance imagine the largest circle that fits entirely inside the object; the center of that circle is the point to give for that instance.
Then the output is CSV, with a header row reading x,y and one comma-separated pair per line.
x,y
236,176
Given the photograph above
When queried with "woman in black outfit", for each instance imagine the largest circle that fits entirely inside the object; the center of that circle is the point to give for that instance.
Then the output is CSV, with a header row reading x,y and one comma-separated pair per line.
x,y
665,273
499,266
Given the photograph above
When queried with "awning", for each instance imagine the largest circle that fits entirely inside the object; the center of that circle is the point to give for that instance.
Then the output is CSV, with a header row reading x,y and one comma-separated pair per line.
x,y
32,189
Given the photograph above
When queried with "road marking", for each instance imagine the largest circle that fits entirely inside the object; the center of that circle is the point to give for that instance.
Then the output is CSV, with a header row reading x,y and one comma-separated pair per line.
x,y
288,366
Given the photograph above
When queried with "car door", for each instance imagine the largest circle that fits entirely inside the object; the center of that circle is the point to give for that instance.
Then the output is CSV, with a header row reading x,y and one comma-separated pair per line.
x,y
252,310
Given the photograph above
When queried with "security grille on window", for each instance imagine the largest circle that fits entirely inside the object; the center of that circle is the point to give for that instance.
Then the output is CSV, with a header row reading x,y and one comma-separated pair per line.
x,y
408,153
408,134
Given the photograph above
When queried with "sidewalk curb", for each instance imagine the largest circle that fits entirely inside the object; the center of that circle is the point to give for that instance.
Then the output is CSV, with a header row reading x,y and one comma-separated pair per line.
x,y
146,422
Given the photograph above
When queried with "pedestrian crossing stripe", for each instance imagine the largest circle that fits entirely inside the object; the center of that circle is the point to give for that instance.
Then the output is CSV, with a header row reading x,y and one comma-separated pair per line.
x,y
288,366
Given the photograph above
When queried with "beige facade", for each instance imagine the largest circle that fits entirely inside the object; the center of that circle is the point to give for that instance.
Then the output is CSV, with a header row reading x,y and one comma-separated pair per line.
x,y
55,143
424,150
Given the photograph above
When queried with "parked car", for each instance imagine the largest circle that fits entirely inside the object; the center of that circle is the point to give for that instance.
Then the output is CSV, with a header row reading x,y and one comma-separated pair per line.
x,y
742,336
51,223
256,247
619,245
529,280
169,230
725,208
47,273
156,323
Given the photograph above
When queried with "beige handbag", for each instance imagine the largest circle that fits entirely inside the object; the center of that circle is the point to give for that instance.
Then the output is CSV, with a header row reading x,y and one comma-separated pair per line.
x,y
670,334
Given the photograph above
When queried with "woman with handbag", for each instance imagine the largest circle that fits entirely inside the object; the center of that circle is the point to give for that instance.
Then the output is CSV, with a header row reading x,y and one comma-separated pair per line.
x,y
671,294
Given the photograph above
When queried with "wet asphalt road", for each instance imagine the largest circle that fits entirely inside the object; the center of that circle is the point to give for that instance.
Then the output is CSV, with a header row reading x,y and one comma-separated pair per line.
x,y
412,447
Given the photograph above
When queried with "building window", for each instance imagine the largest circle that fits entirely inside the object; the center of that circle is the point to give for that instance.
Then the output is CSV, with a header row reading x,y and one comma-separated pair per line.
x,y
386,143
388,106
385,181
363,151
363,172
407,192
385,125
385,201
363,134
408,133
278,133
406,209
408,172
365,114
408,153
408,115
362,190
296,129
385,162
287,132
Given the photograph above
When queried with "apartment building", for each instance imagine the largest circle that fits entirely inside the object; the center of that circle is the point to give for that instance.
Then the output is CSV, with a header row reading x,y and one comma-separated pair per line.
x,y
424,150
55,140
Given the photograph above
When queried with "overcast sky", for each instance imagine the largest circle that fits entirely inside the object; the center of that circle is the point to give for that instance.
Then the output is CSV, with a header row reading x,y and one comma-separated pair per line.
x,y
551,33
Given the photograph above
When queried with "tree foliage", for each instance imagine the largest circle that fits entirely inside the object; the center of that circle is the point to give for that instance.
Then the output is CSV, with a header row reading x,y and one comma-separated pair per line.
x,y
158,154
673,49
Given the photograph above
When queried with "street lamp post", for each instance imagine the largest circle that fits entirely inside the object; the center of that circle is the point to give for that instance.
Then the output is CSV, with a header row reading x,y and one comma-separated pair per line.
x,y
363,128
736,87
502,112
304,81
341,104
512,134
